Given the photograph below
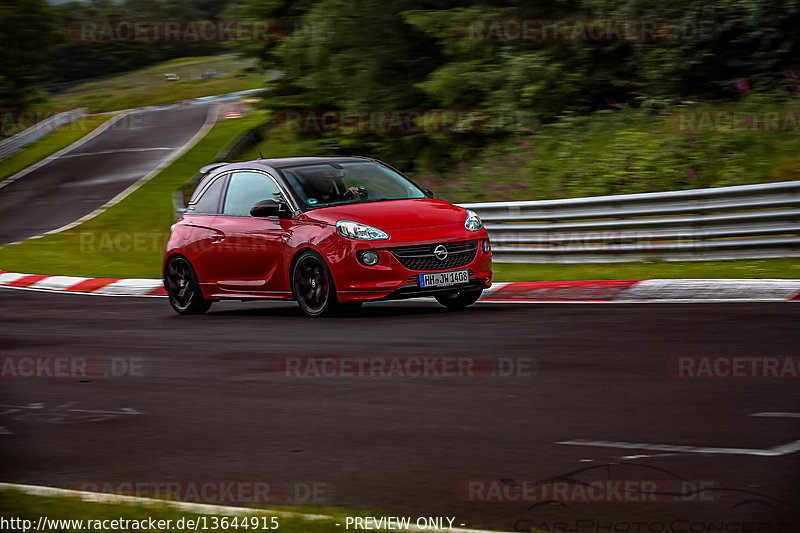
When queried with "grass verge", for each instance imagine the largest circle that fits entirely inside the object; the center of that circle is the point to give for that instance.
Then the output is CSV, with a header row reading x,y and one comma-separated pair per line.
x,y
16,504
126,241
49,144
148,86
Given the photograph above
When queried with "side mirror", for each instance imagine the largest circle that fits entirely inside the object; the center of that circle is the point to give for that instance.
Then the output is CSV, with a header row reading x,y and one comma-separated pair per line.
x,y
265,208
428,193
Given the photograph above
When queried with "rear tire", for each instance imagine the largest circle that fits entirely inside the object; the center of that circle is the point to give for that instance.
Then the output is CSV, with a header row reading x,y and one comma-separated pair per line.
x,y
183,287
312,285
456,301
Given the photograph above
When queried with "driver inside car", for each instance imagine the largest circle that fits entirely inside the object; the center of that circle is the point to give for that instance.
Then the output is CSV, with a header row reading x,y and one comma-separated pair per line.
x,y
325,190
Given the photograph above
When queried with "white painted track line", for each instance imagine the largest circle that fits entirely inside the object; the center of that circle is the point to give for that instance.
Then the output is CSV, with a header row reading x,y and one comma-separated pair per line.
x,y
784,449
83,140
211,119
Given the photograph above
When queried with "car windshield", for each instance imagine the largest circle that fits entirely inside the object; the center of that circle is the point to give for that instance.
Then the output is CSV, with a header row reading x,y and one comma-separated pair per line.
x,y
326,184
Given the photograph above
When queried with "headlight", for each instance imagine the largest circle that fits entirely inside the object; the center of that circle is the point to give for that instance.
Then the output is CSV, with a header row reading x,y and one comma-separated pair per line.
x,y
354,230
473,221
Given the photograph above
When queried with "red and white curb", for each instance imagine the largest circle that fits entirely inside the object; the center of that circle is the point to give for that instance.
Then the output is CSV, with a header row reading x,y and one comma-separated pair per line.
x,y
648,290
101,286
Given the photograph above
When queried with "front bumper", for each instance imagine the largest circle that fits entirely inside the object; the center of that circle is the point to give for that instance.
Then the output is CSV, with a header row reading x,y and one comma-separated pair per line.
x,y
390,279
415,291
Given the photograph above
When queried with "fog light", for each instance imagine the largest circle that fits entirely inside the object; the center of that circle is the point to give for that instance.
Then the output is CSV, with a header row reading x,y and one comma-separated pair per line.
x,y
487,246
369,257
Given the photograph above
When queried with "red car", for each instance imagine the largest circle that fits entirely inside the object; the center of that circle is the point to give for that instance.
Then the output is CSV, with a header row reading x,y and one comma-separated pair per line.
x,y
326,232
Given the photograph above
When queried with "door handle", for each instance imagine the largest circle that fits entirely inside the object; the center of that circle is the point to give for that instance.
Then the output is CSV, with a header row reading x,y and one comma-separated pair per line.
x,y
217,238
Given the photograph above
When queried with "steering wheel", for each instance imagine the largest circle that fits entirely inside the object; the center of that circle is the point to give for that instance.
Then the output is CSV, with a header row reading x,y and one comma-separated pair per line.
x,y
356,192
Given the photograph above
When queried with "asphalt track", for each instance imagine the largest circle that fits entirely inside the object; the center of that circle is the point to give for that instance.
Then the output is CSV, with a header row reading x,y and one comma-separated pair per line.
x,y
208,405
84,179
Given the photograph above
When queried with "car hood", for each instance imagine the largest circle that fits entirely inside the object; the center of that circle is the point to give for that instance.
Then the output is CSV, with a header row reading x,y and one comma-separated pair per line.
x,y
392,214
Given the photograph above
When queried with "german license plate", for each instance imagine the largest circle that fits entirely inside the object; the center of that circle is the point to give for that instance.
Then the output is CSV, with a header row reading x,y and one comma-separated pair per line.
x,y
443,279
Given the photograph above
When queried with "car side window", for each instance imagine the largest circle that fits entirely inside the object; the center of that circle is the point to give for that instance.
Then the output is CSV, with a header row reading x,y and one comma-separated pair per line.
x,y
208,203
246,189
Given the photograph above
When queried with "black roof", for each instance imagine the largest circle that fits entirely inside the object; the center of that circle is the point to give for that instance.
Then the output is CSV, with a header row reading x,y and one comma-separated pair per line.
x,y
282,162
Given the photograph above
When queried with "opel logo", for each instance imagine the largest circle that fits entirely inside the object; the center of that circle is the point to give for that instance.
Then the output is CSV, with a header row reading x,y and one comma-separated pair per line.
x,y
440,252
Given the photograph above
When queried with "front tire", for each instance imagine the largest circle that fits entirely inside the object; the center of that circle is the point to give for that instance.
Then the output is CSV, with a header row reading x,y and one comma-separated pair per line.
x,y
456,301
183,287
312,285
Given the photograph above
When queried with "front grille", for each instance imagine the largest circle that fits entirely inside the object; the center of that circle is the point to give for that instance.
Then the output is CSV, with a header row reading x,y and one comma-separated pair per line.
x,y
421,257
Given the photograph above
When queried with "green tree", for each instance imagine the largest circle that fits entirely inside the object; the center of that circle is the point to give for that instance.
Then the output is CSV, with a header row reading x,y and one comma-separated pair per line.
x,y
27,34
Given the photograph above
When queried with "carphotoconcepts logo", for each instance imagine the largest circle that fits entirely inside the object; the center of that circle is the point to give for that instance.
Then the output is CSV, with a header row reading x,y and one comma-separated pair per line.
x,y
554,503
578,30
735,121
215,491
733,367
13,121
403,367
35,367
585,490
383,121
175,31
677,525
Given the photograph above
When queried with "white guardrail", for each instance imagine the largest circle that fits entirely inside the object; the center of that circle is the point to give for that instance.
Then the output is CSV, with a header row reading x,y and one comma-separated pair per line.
x,y
39,130
742,222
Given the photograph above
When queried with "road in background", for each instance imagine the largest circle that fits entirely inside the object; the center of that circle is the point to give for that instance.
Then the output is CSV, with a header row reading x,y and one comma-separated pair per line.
x,y
81,180
209,405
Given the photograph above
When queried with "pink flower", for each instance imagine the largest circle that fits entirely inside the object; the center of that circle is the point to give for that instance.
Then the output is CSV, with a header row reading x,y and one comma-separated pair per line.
x,y
742,86
689,173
